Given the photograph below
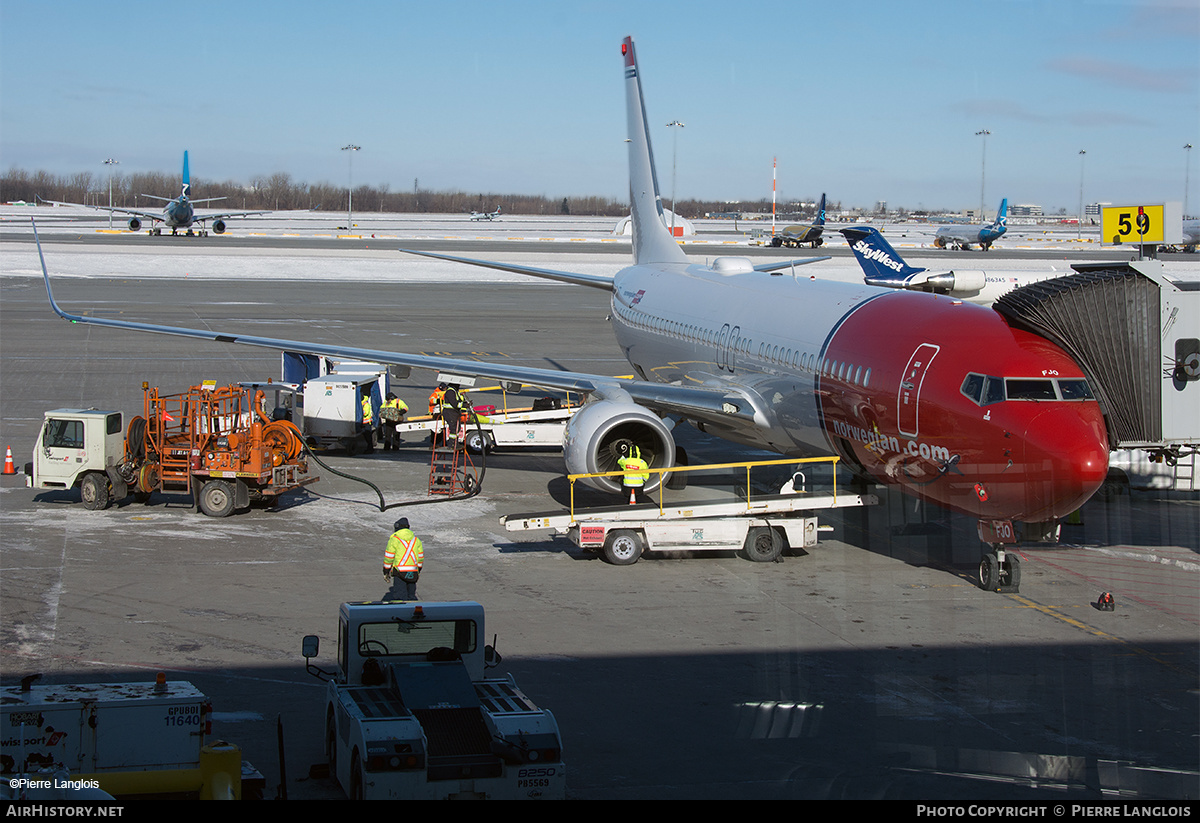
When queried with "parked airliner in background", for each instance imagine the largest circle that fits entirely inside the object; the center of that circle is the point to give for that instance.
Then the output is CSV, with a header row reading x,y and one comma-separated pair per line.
x,y
485,215
963,236
938,397
1191,235
883,266
801,233
178,213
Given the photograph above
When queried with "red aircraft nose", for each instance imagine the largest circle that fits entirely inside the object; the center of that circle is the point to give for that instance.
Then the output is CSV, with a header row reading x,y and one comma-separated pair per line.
x,y
1066,458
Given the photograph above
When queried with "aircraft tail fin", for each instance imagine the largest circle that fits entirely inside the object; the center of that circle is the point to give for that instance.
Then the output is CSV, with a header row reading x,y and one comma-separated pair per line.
x,y
820,221
187,180
652,240
1001,216
881,265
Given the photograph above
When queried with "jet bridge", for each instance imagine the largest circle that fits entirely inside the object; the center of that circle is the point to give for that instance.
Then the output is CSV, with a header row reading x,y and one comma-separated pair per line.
x,y
1136,334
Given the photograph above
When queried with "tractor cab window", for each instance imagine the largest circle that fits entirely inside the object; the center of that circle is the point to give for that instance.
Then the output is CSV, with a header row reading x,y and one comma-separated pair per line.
x,y
402,637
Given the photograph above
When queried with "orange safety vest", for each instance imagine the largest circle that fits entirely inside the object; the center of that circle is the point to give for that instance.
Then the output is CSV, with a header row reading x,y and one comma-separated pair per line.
x,y
435,401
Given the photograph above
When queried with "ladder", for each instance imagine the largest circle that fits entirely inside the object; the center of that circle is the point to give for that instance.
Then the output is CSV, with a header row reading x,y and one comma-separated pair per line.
x,y
451,471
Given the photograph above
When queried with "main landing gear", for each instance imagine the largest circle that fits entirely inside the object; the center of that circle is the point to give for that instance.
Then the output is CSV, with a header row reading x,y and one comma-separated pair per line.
x,y
1000,570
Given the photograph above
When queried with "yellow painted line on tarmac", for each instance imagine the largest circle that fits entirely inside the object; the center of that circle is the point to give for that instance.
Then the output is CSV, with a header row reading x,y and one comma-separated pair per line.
x,y
1092,630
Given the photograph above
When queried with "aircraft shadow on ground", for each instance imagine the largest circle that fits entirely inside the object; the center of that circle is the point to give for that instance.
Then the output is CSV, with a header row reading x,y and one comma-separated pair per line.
x,y
973,722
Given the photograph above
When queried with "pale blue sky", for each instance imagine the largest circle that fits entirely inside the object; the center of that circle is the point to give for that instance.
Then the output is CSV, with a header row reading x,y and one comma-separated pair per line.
x,y
867,101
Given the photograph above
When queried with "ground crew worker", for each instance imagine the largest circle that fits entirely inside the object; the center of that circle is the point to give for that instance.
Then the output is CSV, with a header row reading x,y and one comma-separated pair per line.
x,y
368,421
390,413
451,415
402,562
631,461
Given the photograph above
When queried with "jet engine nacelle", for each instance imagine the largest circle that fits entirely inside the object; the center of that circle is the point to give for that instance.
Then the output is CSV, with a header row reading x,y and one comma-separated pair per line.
x,y
218,227
134,224
957,283
594,436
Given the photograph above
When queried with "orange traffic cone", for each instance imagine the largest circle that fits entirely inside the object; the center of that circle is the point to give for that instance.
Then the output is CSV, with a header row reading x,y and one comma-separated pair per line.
x,y
632,496
9,468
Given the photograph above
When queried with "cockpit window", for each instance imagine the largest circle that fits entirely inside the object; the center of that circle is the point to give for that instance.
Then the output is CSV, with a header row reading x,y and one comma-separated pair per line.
x,y
972,387
1075,390
994,392
1029,389
987,390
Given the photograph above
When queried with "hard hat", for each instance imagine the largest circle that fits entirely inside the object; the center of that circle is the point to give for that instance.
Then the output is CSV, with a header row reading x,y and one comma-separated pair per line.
x,y
402,523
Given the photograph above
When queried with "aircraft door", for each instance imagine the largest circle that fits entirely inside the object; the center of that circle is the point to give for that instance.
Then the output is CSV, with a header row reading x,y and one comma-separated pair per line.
x,y
908,399
722,351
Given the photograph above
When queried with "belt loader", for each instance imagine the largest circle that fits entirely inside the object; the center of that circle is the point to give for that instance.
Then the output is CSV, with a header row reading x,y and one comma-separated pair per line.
x,y
216,444
410,713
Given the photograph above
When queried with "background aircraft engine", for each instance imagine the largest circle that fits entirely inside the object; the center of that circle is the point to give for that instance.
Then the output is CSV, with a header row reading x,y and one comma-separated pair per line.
x,y
134,224
218,227
956,282
595,433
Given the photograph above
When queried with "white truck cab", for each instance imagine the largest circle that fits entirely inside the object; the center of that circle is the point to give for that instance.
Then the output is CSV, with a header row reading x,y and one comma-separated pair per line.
x,y
79,447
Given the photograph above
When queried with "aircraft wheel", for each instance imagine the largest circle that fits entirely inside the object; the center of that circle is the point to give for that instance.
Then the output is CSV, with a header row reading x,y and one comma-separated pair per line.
x,y
623,547
94,491
763,545
216,498
1010,573
989,572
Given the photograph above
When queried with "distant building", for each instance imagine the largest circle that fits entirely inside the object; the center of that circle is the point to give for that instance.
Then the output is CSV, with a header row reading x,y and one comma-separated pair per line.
x,y
1025,210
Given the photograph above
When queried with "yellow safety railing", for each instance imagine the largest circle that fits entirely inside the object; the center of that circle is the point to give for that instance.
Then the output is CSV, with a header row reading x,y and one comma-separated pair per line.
x,y
748,464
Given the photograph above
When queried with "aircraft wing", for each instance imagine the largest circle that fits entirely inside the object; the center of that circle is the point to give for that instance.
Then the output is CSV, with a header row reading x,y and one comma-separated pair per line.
x,y
596,281
145,215
222,215
783,264
703,402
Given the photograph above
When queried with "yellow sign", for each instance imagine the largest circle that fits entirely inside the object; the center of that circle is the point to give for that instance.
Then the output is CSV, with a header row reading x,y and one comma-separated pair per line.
x,y
1132,224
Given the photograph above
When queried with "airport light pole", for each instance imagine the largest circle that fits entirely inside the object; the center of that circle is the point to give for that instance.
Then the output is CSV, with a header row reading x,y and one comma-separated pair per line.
x,y
350,182
982,169
1187,173
1079,224
110,163
674,155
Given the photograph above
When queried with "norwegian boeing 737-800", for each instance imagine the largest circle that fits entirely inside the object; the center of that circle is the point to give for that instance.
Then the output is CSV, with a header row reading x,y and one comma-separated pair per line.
x,y
936,396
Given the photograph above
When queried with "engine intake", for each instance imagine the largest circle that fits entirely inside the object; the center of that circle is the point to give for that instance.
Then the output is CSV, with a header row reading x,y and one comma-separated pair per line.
x,y
218,227
594,436
134,224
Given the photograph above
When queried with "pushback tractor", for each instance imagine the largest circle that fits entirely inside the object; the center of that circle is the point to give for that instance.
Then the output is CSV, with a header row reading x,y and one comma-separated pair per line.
x,y
411,715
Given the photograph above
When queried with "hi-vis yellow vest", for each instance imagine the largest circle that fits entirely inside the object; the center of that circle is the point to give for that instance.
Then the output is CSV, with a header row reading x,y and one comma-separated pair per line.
x,y
404,552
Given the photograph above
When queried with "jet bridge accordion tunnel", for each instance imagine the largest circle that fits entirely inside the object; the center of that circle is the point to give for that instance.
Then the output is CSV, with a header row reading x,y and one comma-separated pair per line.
x,y
1126,329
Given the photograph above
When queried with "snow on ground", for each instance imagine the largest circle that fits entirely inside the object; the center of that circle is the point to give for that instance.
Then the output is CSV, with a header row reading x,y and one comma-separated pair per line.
x,y
571,244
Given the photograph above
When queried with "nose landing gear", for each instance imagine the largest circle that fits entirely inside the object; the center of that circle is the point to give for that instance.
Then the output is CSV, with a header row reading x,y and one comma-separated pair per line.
x,y
1000,571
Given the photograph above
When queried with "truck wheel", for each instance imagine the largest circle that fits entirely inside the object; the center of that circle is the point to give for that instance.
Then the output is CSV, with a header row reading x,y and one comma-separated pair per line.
x,y
623,547
763,545
331,748
478,442
94,491
356,778
216,498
